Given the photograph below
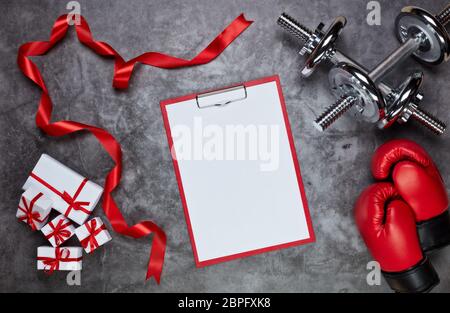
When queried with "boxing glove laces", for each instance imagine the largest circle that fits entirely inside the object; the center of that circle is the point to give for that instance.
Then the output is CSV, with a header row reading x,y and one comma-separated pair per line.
x,y
420,184
387,226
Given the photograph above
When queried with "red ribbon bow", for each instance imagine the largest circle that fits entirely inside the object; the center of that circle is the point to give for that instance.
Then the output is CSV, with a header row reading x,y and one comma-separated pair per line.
x,y
93,231
61,255
59,231
29,215
76,205
122,74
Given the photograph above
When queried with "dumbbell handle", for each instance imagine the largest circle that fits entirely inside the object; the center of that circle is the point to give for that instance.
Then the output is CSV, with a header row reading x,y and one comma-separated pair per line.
x,y
398,55
338,57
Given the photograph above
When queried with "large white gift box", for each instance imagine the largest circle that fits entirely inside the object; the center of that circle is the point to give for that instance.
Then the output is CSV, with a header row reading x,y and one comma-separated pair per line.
x,y
52,259
34,208
58,230
92,234
72,194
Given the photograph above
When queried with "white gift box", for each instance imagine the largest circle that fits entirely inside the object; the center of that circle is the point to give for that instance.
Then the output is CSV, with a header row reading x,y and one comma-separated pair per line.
x,y
58,230
34,208
52,259
72,194
92,234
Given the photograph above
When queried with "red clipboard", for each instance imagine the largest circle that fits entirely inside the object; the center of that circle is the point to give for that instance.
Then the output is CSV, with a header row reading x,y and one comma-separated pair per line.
x,y
215,236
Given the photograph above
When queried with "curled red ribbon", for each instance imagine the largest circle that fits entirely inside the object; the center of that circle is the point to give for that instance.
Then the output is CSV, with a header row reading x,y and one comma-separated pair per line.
x,y
61,255
122,73
93,231
29,215
59,231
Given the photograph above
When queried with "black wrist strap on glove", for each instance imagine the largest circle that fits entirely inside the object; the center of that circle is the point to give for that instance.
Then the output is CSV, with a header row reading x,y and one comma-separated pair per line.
x,y
420,278
434,233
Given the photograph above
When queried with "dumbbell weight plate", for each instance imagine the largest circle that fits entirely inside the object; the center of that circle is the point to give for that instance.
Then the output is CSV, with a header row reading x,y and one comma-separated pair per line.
x,y
323,47
399,108
346,79
413,20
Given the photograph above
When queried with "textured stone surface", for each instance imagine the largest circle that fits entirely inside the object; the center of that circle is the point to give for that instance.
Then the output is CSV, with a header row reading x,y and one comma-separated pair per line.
x,y
334,164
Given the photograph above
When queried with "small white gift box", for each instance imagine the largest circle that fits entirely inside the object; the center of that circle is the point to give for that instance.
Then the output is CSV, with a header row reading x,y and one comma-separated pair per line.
x,y
58,230
34,208
52,259
72,194
92,234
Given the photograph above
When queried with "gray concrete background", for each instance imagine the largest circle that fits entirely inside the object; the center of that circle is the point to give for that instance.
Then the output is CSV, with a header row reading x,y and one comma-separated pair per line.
x,y
335,164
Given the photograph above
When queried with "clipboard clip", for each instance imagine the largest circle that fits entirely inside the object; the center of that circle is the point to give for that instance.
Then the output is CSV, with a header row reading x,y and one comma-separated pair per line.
x,y
219,98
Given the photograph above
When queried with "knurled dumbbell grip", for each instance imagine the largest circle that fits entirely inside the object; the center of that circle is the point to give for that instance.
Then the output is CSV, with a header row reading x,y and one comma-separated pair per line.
x,y
295,28
428,120
444,16
334,111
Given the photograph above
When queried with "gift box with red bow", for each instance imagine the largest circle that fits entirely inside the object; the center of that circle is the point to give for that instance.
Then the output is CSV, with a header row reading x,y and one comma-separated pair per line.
x,y
92,234
52,259
72,194
58,230
34,208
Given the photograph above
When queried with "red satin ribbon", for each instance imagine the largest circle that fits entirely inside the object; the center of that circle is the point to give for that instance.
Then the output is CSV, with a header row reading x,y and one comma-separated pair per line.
x,y
61,255
59,231
76,205
93,231
122,74
29,215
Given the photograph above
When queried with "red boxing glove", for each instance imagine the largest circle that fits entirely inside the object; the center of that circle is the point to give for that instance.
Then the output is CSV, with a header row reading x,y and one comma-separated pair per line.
x,y
388,228
419,183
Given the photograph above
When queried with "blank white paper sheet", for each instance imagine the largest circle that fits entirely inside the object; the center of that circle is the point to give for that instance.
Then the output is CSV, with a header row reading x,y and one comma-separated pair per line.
x,y
237,172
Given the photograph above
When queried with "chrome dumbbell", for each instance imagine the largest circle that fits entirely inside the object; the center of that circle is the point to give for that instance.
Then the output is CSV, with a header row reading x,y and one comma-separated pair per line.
x,y
402,103
320,45
422,34
356,89
370,106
